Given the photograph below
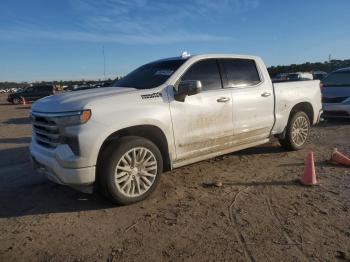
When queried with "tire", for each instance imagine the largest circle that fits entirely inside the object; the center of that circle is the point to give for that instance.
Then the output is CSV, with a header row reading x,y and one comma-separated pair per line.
x,y
297,131
16,101
123,180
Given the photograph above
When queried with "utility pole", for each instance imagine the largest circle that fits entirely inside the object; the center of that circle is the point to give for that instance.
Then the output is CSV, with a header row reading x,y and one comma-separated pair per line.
x,y
329,58
104,61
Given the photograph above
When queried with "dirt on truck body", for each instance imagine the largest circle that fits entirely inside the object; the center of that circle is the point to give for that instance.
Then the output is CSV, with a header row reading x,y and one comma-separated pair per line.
x,y
257,212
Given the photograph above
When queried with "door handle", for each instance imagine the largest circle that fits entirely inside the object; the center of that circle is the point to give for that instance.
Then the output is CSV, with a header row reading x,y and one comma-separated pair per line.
x,y
266,94
223,99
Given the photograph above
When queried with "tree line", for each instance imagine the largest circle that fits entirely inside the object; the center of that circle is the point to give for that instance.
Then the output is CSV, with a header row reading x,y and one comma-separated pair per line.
x,y
327,67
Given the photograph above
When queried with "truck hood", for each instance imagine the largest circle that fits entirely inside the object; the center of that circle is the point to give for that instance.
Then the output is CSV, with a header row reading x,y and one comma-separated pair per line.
x,y
77,100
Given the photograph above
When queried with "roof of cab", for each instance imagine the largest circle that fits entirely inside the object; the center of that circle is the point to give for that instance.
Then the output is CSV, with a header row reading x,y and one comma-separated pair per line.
x,y
204,56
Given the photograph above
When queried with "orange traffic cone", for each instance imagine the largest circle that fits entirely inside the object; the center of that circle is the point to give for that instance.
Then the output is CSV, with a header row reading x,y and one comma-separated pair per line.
x,y
309,177
339,158
23,100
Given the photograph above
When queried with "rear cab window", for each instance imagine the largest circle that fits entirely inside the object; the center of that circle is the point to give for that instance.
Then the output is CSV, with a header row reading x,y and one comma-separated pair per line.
x,y
240,72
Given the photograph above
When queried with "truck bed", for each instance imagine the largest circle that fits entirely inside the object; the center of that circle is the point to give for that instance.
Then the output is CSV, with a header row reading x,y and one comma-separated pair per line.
x,y
289,94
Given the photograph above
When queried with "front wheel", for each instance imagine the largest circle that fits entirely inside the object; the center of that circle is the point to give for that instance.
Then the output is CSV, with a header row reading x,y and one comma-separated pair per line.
x,y
297,131
130,170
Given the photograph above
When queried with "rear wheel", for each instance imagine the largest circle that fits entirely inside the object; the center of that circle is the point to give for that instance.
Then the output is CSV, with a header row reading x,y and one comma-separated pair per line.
x,y
297,131
130,170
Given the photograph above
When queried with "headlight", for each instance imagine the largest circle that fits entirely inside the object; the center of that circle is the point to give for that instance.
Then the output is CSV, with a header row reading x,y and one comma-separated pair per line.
x,y
73,118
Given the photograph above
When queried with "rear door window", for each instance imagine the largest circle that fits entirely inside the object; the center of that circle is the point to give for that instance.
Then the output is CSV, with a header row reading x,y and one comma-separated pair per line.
x,y
206,71
240,72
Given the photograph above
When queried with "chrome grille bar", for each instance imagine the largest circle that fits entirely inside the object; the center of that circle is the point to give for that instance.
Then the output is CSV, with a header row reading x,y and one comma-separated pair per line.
x,y
45,129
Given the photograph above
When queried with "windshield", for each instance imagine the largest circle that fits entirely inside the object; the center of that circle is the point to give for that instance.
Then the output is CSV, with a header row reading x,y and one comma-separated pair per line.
x,y
337,79
150,75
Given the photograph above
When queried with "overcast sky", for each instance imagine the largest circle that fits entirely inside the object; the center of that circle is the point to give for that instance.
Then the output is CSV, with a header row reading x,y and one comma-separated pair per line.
x,y
54,40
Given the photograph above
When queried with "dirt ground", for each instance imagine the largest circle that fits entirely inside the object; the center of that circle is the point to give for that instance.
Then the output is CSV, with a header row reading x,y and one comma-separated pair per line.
x,y
259,213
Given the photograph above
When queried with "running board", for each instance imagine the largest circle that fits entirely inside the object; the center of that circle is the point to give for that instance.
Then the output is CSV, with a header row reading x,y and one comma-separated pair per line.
x,y
218,153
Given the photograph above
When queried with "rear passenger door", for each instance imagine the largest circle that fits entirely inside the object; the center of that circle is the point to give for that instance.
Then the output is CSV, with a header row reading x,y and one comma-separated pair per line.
x,y
252,99
202,124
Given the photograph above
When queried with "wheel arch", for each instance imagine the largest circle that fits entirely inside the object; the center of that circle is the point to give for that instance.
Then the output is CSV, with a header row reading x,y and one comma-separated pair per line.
x,y
150,132
305,107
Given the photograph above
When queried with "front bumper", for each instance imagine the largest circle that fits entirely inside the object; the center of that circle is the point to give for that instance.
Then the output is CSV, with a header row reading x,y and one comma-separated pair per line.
x,y
50,164
336,110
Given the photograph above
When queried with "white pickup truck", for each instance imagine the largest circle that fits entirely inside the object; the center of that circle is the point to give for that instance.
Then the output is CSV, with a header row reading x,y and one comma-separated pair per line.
x,y
164,115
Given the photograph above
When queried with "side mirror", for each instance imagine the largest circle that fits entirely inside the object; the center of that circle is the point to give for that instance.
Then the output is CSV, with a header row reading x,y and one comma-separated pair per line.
x,y
187,88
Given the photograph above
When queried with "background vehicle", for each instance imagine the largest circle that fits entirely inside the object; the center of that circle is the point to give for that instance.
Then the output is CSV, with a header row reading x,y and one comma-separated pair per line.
x,y
163,115
319,75
283,77
300,76
31,93
287,77
83,87
336,94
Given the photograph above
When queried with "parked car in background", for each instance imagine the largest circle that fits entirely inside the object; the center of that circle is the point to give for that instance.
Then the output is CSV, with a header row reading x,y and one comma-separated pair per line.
x,y
300,76
291,77
319,75
30,94
164,115
85,87
283,77
336,94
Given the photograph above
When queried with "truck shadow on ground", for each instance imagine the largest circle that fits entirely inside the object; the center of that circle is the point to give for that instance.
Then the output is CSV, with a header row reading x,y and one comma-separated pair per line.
x,y
23,192
11,157
18,121
44,197
23,107
19,140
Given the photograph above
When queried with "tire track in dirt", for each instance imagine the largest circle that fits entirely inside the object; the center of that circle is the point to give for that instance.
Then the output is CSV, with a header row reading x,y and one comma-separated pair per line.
x,y
275,214
234,222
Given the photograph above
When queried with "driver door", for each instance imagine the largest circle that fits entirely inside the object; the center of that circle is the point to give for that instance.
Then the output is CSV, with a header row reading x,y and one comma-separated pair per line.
x,y
202,124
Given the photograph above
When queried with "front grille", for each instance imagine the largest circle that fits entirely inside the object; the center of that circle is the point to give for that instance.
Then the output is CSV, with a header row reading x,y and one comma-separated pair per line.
x,y
46,131
333,99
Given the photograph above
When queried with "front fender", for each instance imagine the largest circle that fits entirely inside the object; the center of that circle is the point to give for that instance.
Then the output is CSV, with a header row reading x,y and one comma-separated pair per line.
x,y
113,122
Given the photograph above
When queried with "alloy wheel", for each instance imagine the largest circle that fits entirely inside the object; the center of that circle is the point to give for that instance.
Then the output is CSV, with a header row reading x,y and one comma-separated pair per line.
x,y
136,172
